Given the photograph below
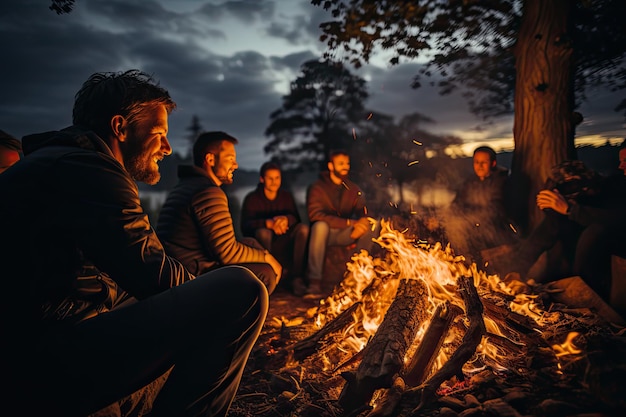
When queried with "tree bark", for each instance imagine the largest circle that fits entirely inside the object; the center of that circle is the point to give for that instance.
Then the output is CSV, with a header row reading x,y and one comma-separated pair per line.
x,y
543,101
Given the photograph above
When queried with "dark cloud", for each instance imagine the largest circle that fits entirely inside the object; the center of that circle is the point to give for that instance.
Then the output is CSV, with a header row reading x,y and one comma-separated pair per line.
x,y
46,58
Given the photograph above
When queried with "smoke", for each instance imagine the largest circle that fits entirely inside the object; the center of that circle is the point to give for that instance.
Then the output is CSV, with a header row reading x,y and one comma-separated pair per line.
x,y
470,220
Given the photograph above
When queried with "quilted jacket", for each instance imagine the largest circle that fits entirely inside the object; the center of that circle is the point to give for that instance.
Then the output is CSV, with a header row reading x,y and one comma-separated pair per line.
x,y
196,227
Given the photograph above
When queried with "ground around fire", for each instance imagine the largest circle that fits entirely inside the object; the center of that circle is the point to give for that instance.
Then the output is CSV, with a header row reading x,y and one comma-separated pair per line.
x,y
538,382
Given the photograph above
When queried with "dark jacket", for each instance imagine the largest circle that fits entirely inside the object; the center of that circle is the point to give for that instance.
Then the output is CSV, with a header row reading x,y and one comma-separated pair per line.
x,y
606,206
196,227
75,239
334,204
487,194
257,208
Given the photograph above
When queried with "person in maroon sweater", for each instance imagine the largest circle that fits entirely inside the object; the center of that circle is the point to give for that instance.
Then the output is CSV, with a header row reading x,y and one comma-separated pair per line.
x,y
270,215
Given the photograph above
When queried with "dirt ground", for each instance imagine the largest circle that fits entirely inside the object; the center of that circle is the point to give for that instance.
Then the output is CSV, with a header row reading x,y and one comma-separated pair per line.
x,y
276,385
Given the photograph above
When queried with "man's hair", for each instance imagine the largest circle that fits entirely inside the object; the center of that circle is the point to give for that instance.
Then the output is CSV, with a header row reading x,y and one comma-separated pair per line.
x,y
9,142
336,152
488,150
107,94
267,166
210,142
622,145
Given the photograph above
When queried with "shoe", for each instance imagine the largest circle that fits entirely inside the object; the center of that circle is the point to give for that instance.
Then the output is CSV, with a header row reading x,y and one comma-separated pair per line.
x,y
298,287
315,289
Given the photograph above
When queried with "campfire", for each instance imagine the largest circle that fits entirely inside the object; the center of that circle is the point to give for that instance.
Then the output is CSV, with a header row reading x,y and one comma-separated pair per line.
x,y
416,331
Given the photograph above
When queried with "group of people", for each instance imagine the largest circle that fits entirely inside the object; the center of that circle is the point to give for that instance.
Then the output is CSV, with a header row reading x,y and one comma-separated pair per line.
x,y
103,311
583,223
106,313
195,224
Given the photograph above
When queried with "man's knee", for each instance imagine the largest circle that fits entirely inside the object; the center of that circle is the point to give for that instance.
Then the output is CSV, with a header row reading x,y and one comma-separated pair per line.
x,y
264,237
237,279
319,230
301,231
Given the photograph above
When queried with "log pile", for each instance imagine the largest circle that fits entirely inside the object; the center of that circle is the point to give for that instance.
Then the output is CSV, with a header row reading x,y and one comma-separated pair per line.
x,y
474,355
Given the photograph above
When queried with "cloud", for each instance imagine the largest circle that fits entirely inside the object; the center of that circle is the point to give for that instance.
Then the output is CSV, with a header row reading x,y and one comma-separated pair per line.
x,y
227,62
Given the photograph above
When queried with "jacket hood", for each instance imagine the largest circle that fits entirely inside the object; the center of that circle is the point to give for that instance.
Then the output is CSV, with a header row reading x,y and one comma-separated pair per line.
x,y
71,136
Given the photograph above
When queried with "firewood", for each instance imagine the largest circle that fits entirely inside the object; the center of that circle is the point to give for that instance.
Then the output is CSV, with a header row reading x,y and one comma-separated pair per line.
x,y
467,348
421,363
307,346
383,356
390,399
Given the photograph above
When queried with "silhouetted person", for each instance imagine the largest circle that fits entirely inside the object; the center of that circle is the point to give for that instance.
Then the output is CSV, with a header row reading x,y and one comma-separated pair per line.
x,y
195,223
270,215
584,224
94,309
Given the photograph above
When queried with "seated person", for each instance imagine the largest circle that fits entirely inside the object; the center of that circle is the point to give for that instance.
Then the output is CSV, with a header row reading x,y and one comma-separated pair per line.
x,y
477,218
99,318
338,216
10,149
195,224
270,215
583,225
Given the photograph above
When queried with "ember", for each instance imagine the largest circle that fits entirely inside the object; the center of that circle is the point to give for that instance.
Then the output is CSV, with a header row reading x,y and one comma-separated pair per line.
x,y
418,332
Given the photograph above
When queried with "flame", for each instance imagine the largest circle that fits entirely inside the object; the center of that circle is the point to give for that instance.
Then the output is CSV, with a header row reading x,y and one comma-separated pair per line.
x,y
567,347
372,282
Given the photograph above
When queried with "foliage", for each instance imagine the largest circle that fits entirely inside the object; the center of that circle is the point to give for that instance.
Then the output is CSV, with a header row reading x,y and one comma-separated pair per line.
x,y
324,104
62,6
469,44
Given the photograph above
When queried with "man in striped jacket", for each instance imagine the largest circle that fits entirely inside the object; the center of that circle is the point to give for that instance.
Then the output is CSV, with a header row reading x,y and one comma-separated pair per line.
x,y
195,224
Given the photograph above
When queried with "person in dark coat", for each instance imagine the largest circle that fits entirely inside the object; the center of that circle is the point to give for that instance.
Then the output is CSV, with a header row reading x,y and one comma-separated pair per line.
x,y
338,216
583,225
96,316
477,218
270,215
195,223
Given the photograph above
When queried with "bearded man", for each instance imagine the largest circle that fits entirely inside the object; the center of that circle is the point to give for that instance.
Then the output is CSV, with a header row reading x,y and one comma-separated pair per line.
x,y
338,216
195,223
96,317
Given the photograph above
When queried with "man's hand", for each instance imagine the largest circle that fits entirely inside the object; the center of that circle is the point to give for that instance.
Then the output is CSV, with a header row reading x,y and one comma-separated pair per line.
x,y
552,199
279,224
360,228
276,266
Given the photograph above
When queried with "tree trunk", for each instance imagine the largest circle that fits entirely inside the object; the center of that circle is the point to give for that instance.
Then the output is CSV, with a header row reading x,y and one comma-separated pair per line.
x,y
543,101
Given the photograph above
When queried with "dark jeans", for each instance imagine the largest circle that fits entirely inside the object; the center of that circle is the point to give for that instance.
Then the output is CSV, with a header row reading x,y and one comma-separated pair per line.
x,y
586,250
322,235
202,330
289,249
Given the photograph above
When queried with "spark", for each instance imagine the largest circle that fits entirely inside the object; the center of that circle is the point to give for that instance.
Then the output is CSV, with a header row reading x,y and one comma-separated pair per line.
x,y
369,116
354,133
416,142
413,163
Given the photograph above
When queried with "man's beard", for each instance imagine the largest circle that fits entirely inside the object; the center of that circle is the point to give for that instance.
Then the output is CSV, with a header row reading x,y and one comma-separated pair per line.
x,y
139,164
341,176
224,178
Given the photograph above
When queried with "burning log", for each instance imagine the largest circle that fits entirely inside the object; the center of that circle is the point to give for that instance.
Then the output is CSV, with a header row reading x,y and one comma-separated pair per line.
x,y
308,346
471,339
422,361
383,357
